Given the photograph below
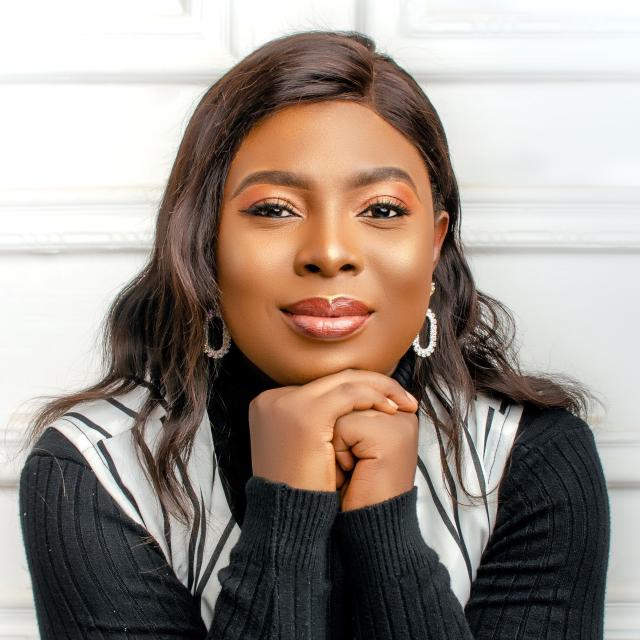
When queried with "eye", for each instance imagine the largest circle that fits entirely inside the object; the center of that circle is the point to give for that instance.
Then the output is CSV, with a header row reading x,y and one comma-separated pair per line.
x,y
386,205
264,209
275,209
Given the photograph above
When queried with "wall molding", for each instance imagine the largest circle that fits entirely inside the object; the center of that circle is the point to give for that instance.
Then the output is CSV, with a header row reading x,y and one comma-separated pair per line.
x,y
552,219
433,17
17,615
474,44
195,41
175,41
77,220
506,219
622,621
619,451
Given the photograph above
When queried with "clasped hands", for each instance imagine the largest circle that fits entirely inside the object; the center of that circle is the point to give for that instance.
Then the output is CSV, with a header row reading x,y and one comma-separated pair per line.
x,y
354,431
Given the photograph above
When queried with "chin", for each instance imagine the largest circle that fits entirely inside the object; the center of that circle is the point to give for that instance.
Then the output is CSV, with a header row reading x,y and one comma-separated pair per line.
x,y
304,375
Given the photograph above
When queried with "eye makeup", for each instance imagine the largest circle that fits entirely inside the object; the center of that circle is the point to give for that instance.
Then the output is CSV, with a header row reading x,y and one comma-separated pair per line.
x,y
278,204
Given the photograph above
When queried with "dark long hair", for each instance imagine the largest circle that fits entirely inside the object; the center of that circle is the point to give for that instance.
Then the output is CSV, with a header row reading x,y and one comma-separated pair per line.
x,y
154,329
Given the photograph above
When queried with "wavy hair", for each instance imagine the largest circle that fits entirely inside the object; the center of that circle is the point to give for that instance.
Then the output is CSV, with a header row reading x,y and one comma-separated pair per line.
x,y
155,327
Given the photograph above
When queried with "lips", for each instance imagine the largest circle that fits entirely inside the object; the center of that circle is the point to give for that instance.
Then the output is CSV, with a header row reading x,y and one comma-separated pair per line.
x,y
321,318
322,307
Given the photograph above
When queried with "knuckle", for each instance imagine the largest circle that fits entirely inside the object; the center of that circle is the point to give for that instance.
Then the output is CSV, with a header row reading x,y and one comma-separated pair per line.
x,y
398,388
348,388
261,399
254,407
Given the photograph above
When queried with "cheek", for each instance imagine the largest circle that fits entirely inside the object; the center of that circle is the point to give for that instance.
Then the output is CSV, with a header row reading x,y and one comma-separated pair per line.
x,y
250,272
405,275
405,267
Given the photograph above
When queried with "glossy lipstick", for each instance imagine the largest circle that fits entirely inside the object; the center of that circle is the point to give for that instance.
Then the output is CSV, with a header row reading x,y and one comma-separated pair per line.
x,y
325,318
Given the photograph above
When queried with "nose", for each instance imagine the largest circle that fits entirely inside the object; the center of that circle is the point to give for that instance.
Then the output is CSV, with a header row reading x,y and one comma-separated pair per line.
x,y
328,244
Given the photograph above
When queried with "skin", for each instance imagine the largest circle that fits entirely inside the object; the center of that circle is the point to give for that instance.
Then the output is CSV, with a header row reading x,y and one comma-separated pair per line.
x,y
328,247
322,240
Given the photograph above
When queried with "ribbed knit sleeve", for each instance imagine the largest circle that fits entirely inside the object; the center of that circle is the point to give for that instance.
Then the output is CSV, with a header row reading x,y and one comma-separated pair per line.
x,y
541,576
277,583
93,577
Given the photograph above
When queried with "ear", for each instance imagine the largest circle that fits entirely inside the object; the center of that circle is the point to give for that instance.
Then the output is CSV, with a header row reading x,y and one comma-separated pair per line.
x,y
440,227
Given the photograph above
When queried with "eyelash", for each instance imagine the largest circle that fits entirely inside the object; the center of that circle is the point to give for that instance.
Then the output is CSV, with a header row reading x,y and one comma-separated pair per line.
x,y
282,204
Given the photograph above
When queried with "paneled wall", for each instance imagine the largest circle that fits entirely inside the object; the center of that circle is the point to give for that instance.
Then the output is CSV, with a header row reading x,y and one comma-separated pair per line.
x,y
540,103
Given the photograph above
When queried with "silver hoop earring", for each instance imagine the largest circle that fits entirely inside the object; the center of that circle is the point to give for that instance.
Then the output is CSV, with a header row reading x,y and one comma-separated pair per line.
x,y
226,339
425,352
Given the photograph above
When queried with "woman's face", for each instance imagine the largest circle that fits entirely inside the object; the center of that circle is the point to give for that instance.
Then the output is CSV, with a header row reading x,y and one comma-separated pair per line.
x,y
324,235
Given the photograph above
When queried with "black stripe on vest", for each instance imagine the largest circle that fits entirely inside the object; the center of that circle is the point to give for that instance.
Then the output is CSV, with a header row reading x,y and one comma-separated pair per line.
x,y
196,521
454,505
203,525
89,423
507,413
478,468
439,507
148,456
487,426
116,477
214,558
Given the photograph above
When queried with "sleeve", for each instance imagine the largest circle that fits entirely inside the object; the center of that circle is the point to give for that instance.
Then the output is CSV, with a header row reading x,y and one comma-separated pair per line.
x,y
542,574
93,577
277,584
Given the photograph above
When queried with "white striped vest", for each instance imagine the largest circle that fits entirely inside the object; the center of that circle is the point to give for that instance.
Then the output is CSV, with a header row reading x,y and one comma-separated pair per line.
x,y
102,432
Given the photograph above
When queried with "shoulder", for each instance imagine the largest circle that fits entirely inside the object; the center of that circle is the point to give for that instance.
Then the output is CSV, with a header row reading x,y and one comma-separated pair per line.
x,y
87,435
52,444
86,482
56,476
91,425
551,539
540,425
554,462
51,458
46,465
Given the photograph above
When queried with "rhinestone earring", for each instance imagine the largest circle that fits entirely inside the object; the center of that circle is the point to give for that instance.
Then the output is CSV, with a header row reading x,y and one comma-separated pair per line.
x,y
226,339
425,352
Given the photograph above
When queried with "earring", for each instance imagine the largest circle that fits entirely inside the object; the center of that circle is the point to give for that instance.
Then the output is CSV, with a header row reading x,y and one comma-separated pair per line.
x,y
425,352
226,339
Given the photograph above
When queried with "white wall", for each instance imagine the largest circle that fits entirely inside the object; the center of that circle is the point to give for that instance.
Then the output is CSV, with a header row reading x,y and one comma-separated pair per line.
x,y
540,102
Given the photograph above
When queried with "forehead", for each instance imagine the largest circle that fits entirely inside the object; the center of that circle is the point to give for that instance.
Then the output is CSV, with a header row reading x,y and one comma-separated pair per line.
x,y
326,141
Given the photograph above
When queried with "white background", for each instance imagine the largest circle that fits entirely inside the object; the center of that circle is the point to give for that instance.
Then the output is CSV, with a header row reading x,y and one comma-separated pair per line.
x,y
540,102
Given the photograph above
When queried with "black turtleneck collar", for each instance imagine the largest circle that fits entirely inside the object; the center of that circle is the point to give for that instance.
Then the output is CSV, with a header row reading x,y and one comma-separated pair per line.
x,y
238,381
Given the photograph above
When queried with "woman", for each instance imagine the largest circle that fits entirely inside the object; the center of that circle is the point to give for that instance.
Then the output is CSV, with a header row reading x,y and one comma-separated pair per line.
x,y
330,465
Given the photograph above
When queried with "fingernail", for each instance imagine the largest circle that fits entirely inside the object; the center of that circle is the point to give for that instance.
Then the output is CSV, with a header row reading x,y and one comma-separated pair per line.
x,y
412,398
392,403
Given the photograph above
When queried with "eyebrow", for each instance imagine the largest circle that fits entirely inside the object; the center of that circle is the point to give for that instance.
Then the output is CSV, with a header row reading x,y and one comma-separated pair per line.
x,y
300,181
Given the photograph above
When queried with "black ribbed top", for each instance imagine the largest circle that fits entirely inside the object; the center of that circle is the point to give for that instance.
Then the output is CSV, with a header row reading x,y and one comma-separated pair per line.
x,y
302,569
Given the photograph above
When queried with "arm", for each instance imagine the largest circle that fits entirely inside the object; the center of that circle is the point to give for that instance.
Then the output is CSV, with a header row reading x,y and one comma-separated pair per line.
x,y
89,570
542,574
277,583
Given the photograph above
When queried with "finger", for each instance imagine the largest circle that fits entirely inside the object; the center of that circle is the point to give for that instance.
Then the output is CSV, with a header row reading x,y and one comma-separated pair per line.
x,y
345,459
343,488
350,378
369,436
353,396
358,399
340,476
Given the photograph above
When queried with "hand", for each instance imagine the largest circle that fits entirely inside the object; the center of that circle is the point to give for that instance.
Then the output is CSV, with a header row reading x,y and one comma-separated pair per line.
x,y
292,427
377,453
